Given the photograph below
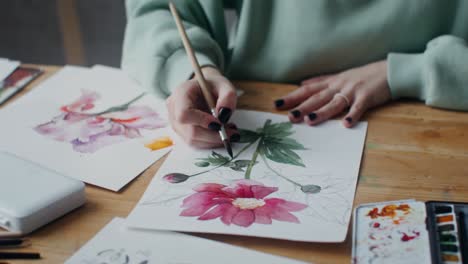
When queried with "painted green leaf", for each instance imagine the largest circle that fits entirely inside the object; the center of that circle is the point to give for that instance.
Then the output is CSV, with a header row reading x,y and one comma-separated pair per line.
x,y
243,163
285,142
215,159
281,154
202,164
248,136
278,130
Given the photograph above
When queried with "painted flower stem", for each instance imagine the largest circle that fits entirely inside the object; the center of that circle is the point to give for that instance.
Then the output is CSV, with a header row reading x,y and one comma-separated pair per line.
x,y
121,107
280,175
221,165
253,161
255,155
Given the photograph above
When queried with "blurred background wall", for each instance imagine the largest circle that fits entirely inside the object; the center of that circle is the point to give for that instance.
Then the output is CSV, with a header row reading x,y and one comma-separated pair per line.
x,y
82,32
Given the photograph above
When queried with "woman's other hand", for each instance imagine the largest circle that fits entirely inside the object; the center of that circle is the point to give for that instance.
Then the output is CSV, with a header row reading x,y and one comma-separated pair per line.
x,y
321,98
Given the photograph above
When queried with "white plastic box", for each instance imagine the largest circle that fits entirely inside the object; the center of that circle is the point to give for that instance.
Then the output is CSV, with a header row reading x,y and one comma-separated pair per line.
x,y
32,196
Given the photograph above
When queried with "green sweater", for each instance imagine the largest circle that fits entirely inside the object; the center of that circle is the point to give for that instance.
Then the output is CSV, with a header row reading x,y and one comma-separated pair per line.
x,y
289,41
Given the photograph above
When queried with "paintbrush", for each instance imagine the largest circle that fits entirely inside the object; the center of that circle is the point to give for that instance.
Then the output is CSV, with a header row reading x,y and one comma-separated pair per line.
x,y
199,75
19,255
14,243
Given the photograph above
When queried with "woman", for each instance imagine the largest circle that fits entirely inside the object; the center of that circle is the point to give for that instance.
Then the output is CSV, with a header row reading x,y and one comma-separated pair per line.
x,y
360,54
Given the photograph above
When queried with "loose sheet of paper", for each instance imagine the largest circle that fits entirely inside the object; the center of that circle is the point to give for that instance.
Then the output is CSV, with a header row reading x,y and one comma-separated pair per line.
x,y
7,67
118,244
286,181
96,125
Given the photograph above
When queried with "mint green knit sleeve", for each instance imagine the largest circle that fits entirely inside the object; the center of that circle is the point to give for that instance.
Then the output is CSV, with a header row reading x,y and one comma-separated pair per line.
x,y
439,76
153,53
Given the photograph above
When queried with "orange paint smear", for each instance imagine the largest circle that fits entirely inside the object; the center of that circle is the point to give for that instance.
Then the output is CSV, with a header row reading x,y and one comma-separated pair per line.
x,y
453,258
446,218
160,143
389,211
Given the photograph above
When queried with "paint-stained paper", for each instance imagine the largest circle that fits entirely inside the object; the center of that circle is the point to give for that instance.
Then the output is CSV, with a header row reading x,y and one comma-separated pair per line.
x,y
92,125
286,181
115,243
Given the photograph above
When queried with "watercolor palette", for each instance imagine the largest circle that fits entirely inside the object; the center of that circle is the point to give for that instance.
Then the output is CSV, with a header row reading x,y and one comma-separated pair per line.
x,y
409,231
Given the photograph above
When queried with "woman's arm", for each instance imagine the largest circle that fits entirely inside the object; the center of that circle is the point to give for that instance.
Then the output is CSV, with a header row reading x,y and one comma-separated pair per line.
x,y
439,76
153,53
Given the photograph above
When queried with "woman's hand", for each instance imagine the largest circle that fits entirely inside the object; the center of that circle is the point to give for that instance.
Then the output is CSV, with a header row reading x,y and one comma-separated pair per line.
x,y
189,114
321,98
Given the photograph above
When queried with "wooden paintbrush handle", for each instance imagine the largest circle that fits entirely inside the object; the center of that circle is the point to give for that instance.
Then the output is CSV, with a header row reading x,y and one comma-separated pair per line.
x,y
196,66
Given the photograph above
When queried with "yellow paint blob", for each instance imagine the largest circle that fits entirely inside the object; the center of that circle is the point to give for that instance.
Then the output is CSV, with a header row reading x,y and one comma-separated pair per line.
x,y
160,143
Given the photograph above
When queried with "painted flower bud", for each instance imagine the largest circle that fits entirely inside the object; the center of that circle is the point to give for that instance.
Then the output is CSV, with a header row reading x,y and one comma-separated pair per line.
x,y
176,177
311,188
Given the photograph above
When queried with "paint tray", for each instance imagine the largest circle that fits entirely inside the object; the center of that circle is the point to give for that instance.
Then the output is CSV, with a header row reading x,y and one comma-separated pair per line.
x,y
410,231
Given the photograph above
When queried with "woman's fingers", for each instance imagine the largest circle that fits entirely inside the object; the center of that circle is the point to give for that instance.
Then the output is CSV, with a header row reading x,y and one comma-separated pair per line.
x,y
311,104
358,108
226,101
299,95
316,79
336,106
204,138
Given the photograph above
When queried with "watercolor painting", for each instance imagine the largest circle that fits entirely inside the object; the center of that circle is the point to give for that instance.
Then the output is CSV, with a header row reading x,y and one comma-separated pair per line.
x,y
16,81
393,232
87,132
117,244
118,256
96,125
277,177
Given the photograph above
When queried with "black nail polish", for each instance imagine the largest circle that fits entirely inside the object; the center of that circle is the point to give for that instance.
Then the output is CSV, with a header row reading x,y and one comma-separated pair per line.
x,y
214,126
235,138
279,103
349,120
224,114
312,116
296,113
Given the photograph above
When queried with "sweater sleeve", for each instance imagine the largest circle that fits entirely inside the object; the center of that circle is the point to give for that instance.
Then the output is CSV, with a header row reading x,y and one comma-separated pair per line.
x,y
439,76
153,53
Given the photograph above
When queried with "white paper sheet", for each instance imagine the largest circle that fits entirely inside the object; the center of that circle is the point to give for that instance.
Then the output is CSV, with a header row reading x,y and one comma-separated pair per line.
x,y
310,203
7,67
107,150
118,244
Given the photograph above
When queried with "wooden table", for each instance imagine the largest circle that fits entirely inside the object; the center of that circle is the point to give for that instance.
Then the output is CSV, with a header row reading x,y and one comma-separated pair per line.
x,y
411,151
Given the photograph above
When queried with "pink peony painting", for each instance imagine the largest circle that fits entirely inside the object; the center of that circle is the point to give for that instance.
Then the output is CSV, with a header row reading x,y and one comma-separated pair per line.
x,y
88,132
242,204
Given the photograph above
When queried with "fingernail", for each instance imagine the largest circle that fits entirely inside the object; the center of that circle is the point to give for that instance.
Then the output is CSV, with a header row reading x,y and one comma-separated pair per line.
x,y
296,113
279,103
312,116
214,126
235,138
232,126
224,114
349,120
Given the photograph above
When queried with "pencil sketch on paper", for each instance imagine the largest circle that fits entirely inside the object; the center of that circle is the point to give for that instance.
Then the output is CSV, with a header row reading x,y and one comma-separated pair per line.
x,y
118,256
88,132
245,201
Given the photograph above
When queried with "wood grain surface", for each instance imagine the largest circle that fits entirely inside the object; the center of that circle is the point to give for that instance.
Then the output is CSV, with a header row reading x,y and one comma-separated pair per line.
x,y
411,151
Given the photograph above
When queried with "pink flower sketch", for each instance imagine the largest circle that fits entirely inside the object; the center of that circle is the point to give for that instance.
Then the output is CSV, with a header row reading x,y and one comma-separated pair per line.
x,y
88,132
241,204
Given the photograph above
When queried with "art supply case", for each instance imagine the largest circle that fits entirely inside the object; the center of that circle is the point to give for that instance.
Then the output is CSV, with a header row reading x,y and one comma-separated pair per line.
x,y
32,196
409,231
